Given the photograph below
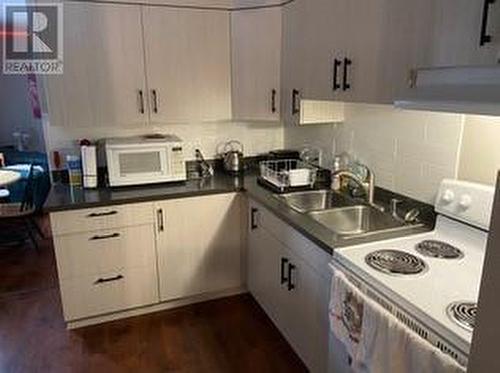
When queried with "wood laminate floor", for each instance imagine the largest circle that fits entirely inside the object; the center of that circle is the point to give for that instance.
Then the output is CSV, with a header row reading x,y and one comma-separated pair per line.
x,y
226,335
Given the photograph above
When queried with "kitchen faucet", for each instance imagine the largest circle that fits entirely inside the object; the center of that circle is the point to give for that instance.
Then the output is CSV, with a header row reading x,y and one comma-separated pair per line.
x,y
367,185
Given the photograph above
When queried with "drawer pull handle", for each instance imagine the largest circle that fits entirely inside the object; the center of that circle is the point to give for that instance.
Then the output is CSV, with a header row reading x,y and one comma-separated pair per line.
x,y
161,224
105,237
108,279
283,277
253,218
291,285
100,214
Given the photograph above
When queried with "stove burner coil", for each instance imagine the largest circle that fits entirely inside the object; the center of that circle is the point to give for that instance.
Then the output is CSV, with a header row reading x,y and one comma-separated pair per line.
x,y
463,313
439,249
395,262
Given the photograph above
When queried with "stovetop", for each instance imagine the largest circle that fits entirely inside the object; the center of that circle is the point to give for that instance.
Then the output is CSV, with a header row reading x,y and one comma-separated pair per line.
x,y
439,282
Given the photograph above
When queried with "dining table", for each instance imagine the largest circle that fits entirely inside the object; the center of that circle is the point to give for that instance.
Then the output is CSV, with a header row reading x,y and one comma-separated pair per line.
x,y
8,177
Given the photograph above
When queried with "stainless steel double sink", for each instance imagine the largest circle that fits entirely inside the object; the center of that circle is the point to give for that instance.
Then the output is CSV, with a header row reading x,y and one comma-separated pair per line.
x,y
341,215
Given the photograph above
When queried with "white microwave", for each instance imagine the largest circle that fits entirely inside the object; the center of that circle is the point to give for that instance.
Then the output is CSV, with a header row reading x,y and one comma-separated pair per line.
x,y
144,160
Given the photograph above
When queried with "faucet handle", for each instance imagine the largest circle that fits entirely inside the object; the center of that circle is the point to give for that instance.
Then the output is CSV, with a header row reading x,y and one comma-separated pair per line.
x,y
394,206
412,215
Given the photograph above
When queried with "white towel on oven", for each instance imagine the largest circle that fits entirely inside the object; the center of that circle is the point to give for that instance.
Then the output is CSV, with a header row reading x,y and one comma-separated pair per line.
x,y
385,344
341,289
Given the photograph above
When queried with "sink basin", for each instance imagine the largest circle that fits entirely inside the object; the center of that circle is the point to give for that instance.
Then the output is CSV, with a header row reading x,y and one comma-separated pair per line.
x,y
313,200
356,220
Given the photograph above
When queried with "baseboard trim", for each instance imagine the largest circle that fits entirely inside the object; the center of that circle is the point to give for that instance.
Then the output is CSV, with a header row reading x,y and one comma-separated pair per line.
x,y
153,308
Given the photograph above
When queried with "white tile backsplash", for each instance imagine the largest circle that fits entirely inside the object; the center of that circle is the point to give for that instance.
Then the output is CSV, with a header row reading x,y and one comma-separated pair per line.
x,y
255,137
410,152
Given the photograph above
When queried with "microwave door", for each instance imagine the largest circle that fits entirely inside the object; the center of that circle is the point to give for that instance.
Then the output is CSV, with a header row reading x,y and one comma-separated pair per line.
x,y
140,165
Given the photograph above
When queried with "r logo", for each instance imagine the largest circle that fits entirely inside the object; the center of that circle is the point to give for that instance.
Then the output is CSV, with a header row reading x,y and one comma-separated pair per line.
x,y
31,32
32,37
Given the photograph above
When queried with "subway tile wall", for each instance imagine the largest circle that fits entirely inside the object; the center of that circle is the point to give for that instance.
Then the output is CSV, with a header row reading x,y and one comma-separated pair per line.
x,y
208,137
410,152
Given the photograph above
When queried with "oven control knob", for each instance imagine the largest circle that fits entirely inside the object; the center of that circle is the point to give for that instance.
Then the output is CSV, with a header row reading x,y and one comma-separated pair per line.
x,y
448,196
465,201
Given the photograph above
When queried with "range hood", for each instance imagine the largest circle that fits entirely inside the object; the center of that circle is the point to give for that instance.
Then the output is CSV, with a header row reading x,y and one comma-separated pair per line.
x,y
472,90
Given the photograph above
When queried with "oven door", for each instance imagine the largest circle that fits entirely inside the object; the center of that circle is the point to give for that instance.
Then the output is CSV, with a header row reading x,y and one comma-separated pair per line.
x,y
139,165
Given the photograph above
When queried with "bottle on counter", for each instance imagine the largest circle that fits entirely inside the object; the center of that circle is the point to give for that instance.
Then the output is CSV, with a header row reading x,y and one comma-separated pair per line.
x,y
74,167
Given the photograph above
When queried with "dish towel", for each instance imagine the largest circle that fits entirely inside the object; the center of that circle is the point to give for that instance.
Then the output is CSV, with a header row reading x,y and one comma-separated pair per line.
x,y
377,341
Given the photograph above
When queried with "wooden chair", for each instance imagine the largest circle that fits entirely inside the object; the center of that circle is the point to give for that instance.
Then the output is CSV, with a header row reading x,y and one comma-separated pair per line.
x,y
17,219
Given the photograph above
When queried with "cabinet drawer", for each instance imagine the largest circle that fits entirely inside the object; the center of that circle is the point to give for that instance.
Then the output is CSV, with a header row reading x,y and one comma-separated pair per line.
x,y
92,253
95,295
101,218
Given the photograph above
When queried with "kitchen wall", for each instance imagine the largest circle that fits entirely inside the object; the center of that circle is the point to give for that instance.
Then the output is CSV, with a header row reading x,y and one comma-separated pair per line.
x,y
410,152
480,153
256,137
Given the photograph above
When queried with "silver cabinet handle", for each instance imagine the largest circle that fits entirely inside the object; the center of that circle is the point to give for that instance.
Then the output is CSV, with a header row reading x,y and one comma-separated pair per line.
x,y
140,96
154,100
100,214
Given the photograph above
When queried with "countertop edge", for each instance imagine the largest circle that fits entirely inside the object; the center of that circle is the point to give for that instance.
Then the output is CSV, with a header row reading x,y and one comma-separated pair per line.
x,y
89,205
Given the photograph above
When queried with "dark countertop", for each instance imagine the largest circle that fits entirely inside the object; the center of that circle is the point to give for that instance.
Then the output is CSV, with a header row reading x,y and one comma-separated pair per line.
x,y
64,197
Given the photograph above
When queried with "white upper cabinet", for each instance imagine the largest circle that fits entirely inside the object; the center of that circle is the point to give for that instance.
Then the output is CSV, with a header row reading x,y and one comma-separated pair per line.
x,y
466,32
103,77
121,68
188,64
351,50
385,40
256,60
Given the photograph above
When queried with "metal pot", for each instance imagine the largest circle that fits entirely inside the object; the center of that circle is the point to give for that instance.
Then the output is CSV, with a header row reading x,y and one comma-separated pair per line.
x,y
233,156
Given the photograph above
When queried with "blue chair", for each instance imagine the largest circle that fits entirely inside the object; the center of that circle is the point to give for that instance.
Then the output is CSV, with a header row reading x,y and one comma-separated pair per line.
x,y
17,218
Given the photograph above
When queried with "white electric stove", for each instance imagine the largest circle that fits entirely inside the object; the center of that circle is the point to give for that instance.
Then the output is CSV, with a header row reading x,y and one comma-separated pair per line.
x,y
430,281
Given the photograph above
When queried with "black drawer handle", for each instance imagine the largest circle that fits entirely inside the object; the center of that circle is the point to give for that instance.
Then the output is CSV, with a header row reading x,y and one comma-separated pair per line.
x,y
104,237
291,285
336,65
485,37
154,99
345,81
273,101
141,101
108,279
253,218
295,104
161,222
283,278
100,214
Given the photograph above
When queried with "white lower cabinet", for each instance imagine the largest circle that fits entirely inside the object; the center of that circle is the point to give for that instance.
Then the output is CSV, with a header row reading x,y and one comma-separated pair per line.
x,y
118,258
287,278
198,245
106,259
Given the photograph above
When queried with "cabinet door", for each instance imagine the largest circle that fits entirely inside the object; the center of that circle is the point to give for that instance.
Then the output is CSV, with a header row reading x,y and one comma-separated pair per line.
x,y
457,33
103,68
264,268
198,245
306,310
293,63
256,59
299,311
387,39
188,64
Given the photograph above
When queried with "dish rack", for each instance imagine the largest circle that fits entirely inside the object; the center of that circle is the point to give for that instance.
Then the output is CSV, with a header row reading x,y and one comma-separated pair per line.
x,y
284,174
